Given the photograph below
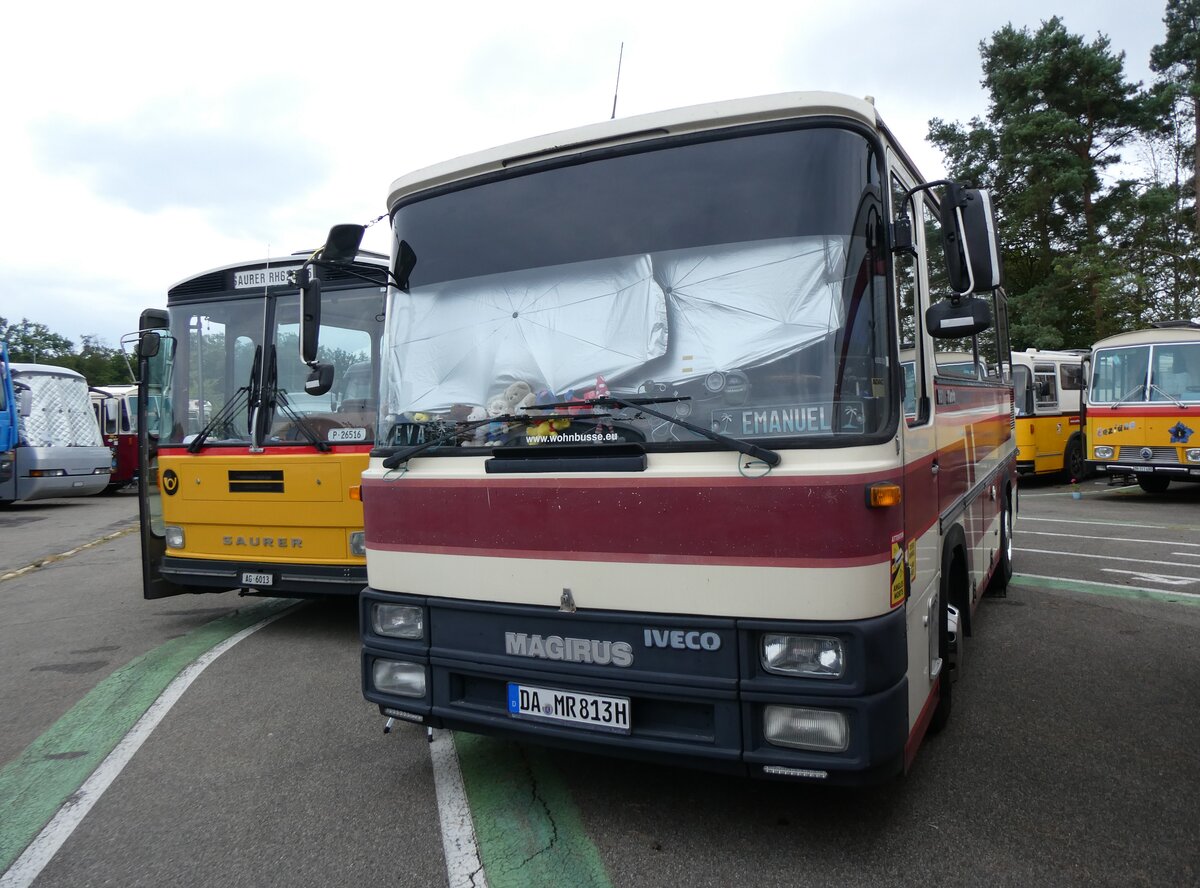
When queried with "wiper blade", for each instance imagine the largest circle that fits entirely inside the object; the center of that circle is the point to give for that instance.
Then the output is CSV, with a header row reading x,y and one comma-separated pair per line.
x,y
770,457
299,421
407,453
1129,394
221,418
1169,397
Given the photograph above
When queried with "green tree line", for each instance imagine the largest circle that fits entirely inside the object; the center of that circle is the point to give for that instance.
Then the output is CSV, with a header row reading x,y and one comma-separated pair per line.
x,y
1094,178
34,343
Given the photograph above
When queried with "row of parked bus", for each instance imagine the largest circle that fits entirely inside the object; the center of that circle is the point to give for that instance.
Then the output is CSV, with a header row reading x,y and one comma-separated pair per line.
x,y
1127,406
691,437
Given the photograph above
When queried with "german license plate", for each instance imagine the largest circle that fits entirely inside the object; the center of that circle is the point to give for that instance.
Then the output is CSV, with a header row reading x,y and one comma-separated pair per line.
x,y
592,711
257,580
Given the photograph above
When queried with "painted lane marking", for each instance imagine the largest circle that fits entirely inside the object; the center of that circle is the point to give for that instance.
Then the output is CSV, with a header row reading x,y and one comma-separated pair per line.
x,y
48,790
1113,590
1164,579
50,559
464,868
1105,557
1075,536
529,829
1024,518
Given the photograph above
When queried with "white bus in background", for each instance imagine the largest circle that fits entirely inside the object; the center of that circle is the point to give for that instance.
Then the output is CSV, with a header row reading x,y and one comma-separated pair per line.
x,y
52,444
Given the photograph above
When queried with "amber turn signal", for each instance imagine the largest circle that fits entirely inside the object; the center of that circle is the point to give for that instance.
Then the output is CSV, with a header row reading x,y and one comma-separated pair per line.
x,y
883,494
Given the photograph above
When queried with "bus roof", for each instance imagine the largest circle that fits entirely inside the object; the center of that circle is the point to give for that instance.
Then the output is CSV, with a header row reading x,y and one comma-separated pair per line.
x,y
294,259
1067,356
1152,335
43,370
626,130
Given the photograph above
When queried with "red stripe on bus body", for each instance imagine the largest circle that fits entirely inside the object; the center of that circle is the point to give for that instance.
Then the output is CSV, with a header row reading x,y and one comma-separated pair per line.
x,y
625,558
671,519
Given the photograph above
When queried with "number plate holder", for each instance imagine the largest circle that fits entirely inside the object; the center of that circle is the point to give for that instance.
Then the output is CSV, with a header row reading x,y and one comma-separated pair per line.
x,y
594,712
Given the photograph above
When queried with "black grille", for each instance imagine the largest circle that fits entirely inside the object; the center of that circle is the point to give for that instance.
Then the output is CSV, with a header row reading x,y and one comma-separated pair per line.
x,y
258,481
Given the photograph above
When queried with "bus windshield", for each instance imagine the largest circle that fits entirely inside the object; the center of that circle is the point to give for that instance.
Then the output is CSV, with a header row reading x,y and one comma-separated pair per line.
x,y
220,363
1167,372
739,278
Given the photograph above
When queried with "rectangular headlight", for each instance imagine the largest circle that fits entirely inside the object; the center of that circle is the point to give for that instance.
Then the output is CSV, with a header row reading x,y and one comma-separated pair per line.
x,y
397,677
174,537
47,473
1193,456
1103,452
398,620
798,727
812,656
358,543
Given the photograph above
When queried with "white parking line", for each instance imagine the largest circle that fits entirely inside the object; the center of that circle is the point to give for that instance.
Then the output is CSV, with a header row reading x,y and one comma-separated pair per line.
x,y
464,869
1076,536
1165,579
1022,519
1106,557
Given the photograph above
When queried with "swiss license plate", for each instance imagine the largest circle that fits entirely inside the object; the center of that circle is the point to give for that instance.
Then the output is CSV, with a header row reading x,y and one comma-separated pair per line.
x,y
257,580
592,711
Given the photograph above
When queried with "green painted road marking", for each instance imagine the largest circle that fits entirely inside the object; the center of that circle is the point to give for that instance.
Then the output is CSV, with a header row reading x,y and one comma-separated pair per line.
x,y
526,823
38,782
1110,589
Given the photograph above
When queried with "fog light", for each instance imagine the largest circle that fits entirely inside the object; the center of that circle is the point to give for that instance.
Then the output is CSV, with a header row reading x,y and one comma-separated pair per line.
x,y
1103,452
174,537
47,473
798,727
395,677
808,655
398,620
358,543
1193,456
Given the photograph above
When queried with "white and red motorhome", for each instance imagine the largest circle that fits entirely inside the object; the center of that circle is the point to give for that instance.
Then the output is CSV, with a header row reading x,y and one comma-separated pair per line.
x,y
647,482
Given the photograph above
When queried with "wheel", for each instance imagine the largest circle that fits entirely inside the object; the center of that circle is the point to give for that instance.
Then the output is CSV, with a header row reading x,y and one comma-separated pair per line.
x,y
951,646
1153,483
1004,568
1074,466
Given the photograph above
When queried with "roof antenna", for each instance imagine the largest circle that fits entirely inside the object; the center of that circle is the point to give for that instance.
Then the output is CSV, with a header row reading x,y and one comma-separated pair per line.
x,y
617,88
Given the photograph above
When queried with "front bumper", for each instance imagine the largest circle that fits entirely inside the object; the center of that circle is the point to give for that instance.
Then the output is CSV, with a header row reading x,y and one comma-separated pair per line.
x,y
288,580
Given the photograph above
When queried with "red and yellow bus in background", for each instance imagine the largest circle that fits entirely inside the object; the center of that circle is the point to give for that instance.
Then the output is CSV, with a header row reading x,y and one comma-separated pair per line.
x,y
1047,386
1143,405
250,452
644,482
115,407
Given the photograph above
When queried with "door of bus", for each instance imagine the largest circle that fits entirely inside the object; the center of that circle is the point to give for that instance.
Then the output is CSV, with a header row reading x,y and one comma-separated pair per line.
x,y
155,353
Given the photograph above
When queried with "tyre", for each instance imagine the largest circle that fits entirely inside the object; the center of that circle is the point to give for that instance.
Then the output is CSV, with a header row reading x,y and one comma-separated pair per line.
x,y
951,646
1074,466
1153,483
1004,567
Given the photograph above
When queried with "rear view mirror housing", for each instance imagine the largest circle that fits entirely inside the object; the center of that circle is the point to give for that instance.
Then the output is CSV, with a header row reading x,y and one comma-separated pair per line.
x,y
970,240
958,317
310,317
320,380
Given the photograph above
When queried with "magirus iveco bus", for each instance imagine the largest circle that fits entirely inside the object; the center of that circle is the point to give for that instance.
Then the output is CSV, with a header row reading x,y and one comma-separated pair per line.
x,y
250,457
644,483
1143,405
1047,386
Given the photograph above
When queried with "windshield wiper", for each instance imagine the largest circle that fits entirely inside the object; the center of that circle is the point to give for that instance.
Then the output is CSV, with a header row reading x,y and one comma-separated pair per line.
x,y
407,453
1169,397
770,457
1129,394
305,427
221,418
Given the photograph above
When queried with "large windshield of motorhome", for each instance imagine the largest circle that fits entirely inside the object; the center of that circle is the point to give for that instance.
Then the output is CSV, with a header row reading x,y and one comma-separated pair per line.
x,y
219,365
1167,372
740,276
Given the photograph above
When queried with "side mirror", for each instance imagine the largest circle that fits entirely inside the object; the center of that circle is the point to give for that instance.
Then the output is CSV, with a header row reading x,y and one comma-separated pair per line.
x,y
342,244
954,318
148,344
972,247
112,410
154,319
25,402
320,380
310,318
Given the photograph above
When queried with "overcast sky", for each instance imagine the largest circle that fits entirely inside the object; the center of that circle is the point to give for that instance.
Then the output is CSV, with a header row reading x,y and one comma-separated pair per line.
x,y
143,143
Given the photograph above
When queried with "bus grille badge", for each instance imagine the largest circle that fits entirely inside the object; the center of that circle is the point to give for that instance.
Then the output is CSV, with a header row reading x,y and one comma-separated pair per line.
x,y
566,604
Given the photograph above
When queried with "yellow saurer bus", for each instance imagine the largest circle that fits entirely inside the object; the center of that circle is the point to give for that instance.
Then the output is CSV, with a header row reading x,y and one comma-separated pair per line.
x,y
1047,387
1143,405
250,455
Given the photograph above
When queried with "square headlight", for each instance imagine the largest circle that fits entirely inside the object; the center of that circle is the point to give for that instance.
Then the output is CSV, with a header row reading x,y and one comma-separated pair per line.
x,y
1193,455
812,656
800,727
1103,452
174,537
398,620
397,677
358,543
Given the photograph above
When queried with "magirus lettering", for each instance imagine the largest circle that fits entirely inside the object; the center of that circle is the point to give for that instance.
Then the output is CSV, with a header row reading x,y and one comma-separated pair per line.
x,y
682,639
571,650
